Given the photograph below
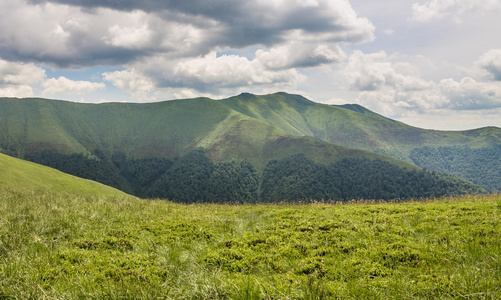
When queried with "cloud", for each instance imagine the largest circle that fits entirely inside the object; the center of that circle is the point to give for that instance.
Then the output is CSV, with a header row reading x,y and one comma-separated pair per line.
x,y
299,54
63,85
20,73
469,94
369,72
392,87
491,62
434,10
69,37
255,21
175,44
132,81
88,33
232,71
16,78
20,91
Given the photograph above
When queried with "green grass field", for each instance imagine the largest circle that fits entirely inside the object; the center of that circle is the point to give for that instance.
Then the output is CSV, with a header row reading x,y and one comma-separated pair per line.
x,y
55,246
18,174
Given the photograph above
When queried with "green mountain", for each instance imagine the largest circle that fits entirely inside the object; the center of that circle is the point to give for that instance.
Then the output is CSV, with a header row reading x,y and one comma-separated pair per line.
x,y
167,129
139,148
353,125
357,127
17,174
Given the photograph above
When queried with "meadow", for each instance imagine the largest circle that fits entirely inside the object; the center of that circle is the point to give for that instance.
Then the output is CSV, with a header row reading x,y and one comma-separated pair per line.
x,y
60,246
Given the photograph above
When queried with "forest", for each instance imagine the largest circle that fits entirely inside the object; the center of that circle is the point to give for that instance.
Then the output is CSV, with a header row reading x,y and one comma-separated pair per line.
x,y
195,178
481,166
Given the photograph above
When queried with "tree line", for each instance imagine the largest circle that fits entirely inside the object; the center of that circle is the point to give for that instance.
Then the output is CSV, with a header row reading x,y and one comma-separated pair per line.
x,y
195,178
481,166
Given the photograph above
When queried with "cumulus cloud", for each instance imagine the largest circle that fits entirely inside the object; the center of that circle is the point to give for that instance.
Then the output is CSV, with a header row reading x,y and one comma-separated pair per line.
x,y
173,44
132,81
469,94
69,37
20,73
206,74
491,62
254,21
232,71
393,87
434,10
298,54
63,85
112,33
369,72
16,78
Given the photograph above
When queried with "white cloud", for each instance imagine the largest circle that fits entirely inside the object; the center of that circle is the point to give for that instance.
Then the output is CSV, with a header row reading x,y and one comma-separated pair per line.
x,y
491,62
132,81
57,34
452,120
469,94
368,72
20,91
392,88
299,54
63,85
134,34
16,79
231,71
20,73
434,10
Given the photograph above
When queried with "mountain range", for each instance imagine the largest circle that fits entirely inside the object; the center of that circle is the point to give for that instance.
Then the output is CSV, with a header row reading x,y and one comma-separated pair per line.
x,y
257,129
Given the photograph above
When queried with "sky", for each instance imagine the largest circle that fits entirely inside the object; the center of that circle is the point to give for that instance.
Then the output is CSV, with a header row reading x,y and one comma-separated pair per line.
x,y
434,64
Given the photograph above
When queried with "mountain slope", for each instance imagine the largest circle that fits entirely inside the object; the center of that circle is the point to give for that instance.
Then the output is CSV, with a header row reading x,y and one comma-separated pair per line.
x,y
167,128
112,142
18,174
353,125
164,129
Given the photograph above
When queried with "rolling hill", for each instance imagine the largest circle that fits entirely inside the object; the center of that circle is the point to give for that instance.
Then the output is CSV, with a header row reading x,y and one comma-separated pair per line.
x,y
165,129
255,129
18,174
353,125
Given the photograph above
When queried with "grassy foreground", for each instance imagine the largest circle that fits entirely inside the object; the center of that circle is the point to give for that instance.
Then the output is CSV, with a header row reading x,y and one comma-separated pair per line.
x,y
59,246
19,174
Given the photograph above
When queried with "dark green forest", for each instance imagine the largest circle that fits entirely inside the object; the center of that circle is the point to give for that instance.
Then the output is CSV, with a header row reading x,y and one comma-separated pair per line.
x,y
481,166
195,178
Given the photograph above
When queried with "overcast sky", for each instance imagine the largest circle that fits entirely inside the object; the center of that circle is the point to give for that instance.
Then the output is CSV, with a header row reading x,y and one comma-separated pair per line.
x,y
429,63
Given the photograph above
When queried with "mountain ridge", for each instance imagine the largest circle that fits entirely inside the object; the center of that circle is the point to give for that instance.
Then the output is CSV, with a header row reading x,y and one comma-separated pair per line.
x,y
254,128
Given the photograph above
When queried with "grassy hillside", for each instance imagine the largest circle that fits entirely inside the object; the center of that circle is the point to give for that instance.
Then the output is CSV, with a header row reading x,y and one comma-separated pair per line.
x,y
357,127
353,125
18,174
257,129
156,129
243,124
56,247
165,129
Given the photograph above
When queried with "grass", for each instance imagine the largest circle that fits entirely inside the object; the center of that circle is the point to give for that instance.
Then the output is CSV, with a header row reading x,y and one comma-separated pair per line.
x,y
18,174
72,247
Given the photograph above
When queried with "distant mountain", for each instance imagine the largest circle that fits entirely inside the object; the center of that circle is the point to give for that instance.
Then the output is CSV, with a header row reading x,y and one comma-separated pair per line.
x,y
132,146
353,125
167,129
17,174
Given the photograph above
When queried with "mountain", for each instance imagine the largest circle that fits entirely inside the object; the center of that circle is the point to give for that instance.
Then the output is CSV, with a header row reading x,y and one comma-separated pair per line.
x,y
139,148
165,129
353,125
18,174
357,127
